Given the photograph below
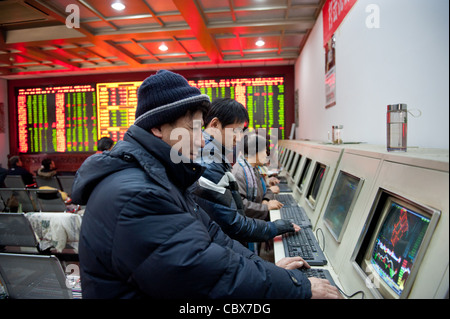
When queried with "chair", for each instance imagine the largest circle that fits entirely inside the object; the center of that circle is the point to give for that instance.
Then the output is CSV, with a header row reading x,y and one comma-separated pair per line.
x,y
50,200
47,181
66,183
16,233
33,277
14,181
12,197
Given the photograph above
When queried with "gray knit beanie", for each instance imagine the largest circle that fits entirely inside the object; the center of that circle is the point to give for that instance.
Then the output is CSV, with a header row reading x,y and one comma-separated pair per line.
x,y
164,97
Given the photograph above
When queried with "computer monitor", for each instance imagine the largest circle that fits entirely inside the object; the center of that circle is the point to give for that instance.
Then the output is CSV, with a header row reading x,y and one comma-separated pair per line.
x,y
293,163
285,157
280,153
314,187
341,202
289,158
296,166
394,245
301,184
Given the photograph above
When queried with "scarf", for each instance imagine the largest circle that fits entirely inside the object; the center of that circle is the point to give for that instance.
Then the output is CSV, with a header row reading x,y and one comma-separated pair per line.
x,y
251,179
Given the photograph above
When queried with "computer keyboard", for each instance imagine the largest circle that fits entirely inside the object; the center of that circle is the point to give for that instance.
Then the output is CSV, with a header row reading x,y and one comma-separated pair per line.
x,y
282,179
284,188
304,244
318,273
297,214
286,199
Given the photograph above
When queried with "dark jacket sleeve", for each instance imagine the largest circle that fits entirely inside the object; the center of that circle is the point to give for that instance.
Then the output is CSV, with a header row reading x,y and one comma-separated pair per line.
x,y
189,258
217,193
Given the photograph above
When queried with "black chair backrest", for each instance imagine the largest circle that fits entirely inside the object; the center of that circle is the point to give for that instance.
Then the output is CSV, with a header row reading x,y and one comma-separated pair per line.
x,y
14,181
50,200
13,197
16,231
66,183
33,277
47,181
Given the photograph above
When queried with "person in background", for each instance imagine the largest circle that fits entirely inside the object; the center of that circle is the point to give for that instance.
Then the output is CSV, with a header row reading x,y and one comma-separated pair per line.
x,y
258,199
48,168
105,144
143,235
15,168
216,191
3,173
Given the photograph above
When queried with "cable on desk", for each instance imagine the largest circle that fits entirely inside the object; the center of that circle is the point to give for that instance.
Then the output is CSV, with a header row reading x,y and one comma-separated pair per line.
x,y
323,239
342,292
351,296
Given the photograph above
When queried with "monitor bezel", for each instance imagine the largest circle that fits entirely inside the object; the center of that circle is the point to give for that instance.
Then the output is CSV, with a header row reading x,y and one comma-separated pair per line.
x,y
287,153
338,238
303,175
297,166
289,159
293,164
309,199
379,288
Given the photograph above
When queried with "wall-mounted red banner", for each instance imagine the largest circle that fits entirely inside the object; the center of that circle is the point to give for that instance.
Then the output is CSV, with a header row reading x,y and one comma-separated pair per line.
x,y
333,12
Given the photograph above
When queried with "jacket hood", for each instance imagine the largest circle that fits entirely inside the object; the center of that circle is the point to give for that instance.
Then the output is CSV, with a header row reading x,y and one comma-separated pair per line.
x,y
139,149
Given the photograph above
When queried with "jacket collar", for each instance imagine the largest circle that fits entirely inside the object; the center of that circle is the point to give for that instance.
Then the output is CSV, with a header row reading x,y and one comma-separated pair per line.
x,y
182,173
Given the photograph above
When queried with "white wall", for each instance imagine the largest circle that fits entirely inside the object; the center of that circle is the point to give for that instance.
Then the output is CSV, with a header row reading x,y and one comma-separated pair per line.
x,y
4,142
405,60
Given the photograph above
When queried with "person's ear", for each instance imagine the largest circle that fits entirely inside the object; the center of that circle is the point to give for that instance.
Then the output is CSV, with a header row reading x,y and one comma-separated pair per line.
x,y
215,123
157,131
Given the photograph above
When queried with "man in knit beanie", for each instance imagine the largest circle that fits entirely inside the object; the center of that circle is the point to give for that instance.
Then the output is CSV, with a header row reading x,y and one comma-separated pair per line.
x,y
143,235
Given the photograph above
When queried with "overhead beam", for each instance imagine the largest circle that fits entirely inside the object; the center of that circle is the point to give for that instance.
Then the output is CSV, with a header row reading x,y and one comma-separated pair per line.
x,y
192,15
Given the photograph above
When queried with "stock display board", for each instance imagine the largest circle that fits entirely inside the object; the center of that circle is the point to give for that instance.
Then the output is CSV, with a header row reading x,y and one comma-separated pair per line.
x,y
72,118
57,119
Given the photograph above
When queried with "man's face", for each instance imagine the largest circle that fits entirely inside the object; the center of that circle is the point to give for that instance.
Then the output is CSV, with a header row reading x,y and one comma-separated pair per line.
x,y
231,134
185,134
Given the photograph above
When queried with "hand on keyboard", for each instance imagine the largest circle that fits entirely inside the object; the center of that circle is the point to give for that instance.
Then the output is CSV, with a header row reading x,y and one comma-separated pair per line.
x,y
273,204
322,289
292,263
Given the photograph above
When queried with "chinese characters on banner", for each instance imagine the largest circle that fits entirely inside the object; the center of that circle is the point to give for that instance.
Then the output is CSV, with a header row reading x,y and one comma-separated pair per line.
x,y
333,13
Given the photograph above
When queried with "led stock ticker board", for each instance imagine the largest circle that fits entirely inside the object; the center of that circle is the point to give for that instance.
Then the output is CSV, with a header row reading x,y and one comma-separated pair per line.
x,y
57,119
71,118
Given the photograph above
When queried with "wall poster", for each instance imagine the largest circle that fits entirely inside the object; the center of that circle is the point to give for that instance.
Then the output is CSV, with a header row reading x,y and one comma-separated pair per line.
x,y
330,73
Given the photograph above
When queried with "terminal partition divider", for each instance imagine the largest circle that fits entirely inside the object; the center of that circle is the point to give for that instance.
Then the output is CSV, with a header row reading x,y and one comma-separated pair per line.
x,y
349,215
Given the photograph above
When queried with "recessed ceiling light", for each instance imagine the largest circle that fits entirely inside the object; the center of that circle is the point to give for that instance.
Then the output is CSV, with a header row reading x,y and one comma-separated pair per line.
x,y
118,6
260,43
163,47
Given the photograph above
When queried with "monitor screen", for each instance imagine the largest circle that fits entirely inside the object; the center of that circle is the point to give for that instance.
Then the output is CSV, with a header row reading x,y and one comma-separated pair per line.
x,y
291,164
286,158
397,244
297,165
302,180
341,202
314,188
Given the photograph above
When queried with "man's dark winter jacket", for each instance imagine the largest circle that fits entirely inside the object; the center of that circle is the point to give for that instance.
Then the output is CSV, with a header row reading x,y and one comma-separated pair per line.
x,y
143,235
217,192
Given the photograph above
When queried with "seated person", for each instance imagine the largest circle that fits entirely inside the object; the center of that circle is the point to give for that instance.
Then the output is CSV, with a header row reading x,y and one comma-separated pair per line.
x,y
257,198
143,235
15,168
3,173
105,144
216,191
48,168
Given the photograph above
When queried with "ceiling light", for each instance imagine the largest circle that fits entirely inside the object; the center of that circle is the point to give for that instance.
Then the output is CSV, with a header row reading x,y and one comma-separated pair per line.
x,y
163,47
118,6
260,43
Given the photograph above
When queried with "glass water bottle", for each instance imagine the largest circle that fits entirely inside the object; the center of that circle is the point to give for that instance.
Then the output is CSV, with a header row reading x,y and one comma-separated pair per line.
x,y
397,120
